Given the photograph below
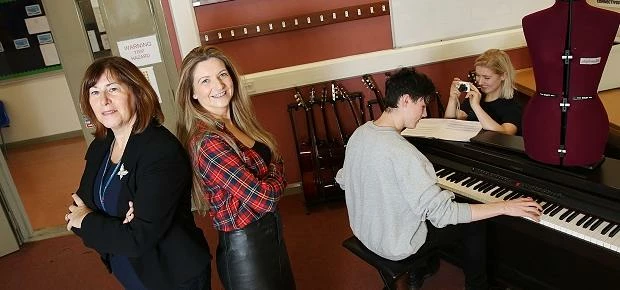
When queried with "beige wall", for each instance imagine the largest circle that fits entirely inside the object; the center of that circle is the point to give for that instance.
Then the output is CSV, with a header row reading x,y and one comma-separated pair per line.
x,y
38,107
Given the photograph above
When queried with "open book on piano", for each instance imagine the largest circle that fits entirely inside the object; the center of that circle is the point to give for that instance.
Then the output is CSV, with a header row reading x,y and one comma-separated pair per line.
x,y
445,129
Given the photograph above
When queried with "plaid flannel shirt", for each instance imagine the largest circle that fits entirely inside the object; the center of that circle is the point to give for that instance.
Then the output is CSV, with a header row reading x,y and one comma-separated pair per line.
x,y
239,188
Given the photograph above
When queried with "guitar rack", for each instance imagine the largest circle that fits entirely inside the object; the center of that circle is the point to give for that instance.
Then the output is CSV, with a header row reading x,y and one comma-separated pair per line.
x,y
322,124
292,23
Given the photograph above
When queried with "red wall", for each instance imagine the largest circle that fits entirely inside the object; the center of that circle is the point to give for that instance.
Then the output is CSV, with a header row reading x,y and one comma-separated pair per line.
x,y
310,45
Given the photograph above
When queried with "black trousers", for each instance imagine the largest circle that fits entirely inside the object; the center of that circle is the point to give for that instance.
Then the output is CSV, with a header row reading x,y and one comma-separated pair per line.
x,y
200,282
473,240
255,257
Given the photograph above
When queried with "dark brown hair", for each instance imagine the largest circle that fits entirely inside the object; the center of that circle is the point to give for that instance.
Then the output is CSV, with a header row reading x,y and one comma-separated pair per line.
x,y
125,72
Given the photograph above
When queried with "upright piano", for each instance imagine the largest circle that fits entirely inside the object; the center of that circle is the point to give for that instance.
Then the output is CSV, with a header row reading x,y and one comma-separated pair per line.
x,y
577,243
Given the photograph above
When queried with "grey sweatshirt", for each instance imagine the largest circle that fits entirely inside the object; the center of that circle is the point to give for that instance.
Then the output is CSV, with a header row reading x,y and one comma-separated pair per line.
x,y
390,189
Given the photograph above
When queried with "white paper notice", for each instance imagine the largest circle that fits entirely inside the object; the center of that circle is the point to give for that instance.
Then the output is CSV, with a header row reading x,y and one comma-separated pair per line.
x,y
149,73
92,38
50,55
37,24
140,51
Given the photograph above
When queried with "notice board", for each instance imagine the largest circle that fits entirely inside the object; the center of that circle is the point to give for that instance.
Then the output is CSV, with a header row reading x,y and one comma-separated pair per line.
x,y
26,42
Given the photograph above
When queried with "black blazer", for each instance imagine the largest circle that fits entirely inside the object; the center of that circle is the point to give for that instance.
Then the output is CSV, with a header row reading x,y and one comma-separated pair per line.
x,y
162,241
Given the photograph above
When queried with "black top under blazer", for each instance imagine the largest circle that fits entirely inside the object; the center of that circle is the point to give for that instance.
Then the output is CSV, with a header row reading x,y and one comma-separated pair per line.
x,y
162,242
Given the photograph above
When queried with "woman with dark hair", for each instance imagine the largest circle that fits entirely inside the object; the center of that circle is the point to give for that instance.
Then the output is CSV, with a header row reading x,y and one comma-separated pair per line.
x,y
133,205
238,172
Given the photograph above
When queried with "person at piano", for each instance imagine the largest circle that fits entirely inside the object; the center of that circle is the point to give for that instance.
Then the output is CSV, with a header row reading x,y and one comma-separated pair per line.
x,y
493,104
394,204
238,172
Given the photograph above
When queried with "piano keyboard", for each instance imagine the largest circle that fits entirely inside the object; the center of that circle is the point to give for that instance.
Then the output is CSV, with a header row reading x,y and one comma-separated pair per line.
x,y
569,221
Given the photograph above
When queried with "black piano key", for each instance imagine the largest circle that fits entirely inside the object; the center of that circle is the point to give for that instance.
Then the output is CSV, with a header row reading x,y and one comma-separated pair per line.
x,y
477,186
589,222
583,219
502,192
547,205
607,228
614,231
456,176
471,181
556,211
565,214
465,180
444,172
476,182
596,224
550,208
461,178
447,176
488,187
509,196
481,185
497,191
452,177
572,216
492,193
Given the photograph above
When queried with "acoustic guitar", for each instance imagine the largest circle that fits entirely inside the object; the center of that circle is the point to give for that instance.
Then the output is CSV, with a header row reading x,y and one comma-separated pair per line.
x,y
370,83
307,150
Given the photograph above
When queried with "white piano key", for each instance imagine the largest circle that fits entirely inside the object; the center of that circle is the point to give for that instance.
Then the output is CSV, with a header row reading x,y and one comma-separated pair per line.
x,y
569,228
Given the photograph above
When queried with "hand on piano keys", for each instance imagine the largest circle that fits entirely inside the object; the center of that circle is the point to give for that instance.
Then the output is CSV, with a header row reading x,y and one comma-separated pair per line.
x,y
524,207
572,222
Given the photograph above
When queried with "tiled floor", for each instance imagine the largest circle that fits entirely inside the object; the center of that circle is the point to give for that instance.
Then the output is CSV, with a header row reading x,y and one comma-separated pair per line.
x,y
45,176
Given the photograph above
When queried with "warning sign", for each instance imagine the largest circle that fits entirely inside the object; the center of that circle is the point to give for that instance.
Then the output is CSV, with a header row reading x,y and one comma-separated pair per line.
x,y
140,51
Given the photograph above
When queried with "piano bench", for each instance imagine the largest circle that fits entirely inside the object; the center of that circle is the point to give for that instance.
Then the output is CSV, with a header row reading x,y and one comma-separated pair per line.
x,y
389,270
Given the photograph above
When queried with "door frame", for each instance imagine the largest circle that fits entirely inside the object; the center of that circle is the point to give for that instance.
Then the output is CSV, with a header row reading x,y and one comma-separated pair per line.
x,y
12,205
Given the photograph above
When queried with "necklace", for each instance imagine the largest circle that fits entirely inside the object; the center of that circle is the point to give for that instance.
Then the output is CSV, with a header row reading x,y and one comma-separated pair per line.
x,y
102,189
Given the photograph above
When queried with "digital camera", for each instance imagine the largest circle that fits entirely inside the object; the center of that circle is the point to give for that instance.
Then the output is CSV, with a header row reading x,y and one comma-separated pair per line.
x,y
463,87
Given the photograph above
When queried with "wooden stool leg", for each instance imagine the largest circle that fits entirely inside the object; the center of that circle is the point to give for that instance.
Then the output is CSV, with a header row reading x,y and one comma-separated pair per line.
x,y
390,284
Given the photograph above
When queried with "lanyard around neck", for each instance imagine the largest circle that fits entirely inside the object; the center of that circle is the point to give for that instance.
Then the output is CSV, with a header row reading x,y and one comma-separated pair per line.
x,y
102,189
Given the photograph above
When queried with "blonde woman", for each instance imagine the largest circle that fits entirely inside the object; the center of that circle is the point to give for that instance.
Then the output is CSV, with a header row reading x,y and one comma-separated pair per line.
x,y
493,105
237,171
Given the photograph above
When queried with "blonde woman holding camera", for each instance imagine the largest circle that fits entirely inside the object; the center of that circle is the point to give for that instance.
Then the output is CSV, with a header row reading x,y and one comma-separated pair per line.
x,y
493,104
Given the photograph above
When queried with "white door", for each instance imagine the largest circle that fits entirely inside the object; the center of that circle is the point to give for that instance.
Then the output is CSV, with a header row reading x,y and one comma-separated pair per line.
x,y
8,242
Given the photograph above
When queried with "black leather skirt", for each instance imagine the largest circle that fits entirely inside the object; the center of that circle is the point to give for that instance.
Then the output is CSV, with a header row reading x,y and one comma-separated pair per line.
x,y
255,257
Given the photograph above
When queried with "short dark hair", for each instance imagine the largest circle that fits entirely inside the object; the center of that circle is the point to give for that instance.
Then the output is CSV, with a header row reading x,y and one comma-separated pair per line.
x,y
147,102
407,82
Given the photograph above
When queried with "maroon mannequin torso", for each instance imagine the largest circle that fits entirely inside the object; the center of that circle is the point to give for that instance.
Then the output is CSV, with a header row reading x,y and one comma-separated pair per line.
x,y
587,126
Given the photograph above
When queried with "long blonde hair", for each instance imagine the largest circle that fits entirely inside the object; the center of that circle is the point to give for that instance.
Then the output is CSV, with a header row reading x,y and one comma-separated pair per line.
x,y
191,113
499,62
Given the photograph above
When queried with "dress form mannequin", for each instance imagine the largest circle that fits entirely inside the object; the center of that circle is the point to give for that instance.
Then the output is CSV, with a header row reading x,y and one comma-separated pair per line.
x,y
586,125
